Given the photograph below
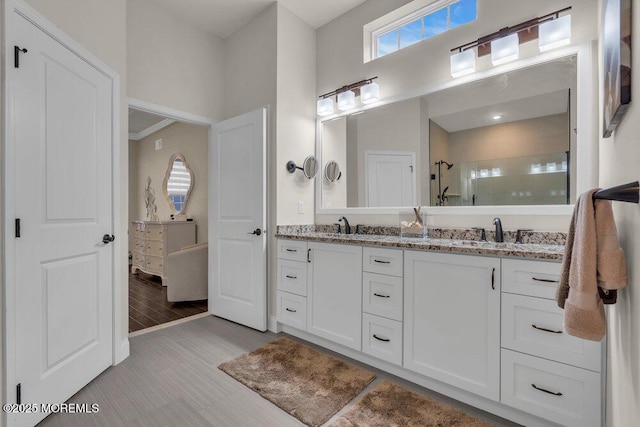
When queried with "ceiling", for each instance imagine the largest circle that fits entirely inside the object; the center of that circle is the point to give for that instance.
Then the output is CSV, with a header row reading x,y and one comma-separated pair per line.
x,y
143,124
225,17
521,109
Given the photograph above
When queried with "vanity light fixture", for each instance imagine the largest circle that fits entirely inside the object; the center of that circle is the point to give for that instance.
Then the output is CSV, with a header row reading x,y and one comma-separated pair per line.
x,y
505,49
554,33
463,63
325,107
346,100
551,30
368,91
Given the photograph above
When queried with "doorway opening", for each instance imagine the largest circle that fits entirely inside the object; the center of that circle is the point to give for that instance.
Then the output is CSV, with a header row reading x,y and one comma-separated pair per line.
x,y
168,216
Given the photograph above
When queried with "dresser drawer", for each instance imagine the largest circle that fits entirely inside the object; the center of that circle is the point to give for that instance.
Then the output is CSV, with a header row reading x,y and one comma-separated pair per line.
x,y
155,265
382,295
154,248
154,232
137,231
534,326
382,338
292,310
292,277
138,259
554,391
383,261
533,278
138,245
293,250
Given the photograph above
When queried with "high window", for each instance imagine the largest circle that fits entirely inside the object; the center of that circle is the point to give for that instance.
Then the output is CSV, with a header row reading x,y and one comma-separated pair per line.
x,y
418,25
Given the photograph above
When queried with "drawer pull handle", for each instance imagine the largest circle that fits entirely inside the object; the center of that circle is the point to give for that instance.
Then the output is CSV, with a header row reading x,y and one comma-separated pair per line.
x,y
546,391
544,280
382,296
291,277
381,339
493,279
291,250
381,262
290,310
545,329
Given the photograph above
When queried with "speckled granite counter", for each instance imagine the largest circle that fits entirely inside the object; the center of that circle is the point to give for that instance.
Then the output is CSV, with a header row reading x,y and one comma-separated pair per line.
x,y
549,252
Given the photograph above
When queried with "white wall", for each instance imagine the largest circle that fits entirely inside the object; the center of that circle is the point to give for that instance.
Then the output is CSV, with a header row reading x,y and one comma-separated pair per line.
x,y
172,63
192,141
619,157
425,64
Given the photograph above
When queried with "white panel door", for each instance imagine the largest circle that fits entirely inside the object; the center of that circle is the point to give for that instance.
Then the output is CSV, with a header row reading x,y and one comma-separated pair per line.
x,y
334,299
390,178
237,217
452,320
62,152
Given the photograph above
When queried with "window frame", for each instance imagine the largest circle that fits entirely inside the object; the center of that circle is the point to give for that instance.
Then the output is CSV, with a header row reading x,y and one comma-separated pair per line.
x,y
399,18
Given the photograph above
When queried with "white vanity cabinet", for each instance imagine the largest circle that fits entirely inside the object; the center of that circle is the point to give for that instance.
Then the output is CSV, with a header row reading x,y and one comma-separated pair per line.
x,y
452,320
545,371
292,283
334,300
382,289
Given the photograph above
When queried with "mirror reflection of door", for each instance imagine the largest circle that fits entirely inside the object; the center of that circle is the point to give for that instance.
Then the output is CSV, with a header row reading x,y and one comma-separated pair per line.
x,y
178,183
390,179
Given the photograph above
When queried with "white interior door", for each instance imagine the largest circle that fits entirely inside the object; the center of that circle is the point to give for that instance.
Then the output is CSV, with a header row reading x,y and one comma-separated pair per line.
x,y
61,127
390,178
237,218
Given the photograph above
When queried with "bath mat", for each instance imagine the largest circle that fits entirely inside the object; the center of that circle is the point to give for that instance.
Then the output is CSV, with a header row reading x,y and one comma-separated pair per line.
x,y
309,385
389,404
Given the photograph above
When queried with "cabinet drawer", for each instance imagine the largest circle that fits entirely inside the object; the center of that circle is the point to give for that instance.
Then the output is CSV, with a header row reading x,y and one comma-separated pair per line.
x,y
294,250
534,326
554,391
382,295
292,310
292,277
154,248
533,278
138,245
137,231
382,338
154,231
138,259
154,265
383,261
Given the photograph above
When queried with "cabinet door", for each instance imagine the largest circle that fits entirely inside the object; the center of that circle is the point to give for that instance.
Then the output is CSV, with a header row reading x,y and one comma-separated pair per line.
x,y
452,320
334,302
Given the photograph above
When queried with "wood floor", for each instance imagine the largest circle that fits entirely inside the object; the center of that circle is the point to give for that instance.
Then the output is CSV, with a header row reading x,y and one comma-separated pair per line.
x,y
148,305
171,379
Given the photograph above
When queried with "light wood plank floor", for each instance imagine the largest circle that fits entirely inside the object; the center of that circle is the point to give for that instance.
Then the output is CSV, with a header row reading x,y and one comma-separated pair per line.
x,y
171,379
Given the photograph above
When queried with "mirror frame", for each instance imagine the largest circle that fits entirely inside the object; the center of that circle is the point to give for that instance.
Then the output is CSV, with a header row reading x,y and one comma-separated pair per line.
x,y
587,137
172,159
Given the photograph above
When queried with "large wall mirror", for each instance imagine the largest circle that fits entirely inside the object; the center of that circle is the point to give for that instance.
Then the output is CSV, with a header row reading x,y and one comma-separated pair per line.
x,y
178,183
507,139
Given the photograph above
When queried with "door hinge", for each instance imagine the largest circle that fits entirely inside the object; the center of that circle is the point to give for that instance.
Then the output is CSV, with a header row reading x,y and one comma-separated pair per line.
x,y
19,394
17,227
16,56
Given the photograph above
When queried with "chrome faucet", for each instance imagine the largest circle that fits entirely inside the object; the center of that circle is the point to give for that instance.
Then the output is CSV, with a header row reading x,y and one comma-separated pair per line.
x,y
499,235
347,227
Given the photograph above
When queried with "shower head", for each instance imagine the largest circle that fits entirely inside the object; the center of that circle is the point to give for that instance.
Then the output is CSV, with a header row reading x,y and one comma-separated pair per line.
x,y
442,162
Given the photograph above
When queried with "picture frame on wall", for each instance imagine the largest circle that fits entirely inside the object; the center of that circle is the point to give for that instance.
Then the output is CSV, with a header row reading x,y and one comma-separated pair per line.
x,y
616,48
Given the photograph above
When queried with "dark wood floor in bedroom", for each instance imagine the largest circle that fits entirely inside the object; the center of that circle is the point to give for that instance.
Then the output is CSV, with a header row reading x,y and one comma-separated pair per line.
x,y
148,305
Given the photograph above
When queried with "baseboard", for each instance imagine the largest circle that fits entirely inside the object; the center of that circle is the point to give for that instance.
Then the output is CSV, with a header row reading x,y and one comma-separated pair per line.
x,y
273,325
122,352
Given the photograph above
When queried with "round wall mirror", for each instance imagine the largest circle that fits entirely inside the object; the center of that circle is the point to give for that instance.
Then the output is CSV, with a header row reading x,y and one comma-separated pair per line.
x,y
178,183
332,171
310,167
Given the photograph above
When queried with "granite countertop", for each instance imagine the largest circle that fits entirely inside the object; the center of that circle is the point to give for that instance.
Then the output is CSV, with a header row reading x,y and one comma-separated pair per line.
x,y
549,252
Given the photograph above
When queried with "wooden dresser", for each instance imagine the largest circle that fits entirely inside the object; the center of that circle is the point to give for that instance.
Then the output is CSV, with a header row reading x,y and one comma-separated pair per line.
x,y
152,242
